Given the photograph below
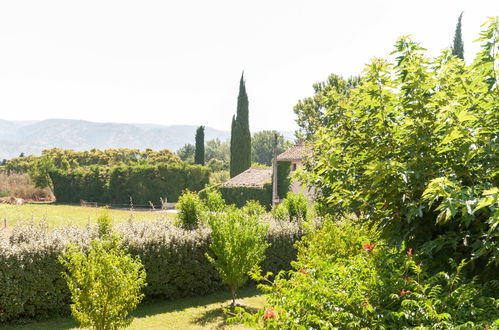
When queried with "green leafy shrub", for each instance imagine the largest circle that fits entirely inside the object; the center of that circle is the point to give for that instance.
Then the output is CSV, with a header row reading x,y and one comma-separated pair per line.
x,y
413,148
253,208
280,212
296,206
355,284
190,208
104,224
238,244
213,200
105,283
174,259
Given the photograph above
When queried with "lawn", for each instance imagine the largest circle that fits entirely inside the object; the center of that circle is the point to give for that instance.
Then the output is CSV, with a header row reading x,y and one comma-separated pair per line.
x,y
188,313
57,215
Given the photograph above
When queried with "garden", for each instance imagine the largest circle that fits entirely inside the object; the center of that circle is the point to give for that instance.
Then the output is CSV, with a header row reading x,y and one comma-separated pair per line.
x,y
404,231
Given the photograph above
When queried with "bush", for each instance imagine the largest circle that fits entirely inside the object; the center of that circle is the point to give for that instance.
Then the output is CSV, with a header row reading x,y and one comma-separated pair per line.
x,y
142,183
105,283
239,195
296,206
174,260
355,284
238,244
253,208
213,200
190,208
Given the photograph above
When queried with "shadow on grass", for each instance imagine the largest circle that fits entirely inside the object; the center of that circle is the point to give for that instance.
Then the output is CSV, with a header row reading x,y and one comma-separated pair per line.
x,y
154,307
211,316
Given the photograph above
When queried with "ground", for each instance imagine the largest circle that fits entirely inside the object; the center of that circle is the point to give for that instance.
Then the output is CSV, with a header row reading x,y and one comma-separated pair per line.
x,y
188,313
57,215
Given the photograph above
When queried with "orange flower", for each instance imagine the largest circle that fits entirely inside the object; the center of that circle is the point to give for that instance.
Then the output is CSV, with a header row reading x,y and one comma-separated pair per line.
x,y
409,252
303,271
269,313
368,247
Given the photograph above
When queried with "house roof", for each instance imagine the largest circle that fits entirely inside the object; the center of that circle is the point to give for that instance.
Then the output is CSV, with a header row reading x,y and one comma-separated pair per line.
x,y
296,152
252,177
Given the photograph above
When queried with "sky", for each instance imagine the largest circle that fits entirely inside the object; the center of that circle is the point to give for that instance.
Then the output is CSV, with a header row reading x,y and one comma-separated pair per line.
x,y
179,62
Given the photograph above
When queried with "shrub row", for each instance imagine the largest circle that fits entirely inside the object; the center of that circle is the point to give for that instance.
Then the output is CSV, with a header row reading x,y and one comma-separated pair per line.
x,y
239,195
30,274
142,183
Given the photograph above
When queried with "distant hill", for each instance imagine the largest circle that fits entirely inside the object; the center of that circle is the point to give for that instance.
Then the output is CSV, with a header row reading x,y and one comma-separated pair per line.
x,y
31,137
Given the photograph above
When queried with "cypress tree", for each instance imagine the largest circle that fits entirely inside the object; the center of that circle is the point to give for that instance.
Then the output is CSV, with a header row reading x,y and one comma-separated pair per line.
x,y
240,142
458,46
199,153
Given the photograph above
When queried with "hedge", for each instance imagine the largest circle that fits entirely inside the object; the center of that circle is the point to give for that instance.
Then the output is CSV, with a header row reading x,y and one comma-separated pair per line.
x,y
116,185
239,195
30,274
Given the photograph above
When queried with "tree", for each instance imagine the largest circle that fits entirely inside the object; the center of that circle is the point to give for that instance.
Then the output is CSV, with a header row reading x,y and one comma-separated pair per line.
x,y
186,153
199,152
311,111
262,145
238,244
411,151
105,283
240,141
458,46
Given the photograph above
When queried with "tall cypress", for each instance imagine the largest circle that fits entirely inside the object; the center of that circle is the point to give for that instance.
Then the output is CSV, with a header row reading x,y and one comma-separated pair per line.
x,y
240,142
199,153
458,46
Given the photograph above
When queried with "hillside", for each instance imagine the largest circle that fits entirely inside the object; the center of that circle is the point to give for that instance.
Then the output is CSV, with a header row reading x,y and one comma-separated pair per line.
x,y
31,137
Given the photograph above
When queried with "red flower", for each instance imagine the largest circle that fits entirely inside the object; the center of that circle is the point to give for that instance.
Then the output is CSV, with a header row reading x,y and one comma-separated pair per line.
x,y
269,313
368,247
303,271
409,252
403,292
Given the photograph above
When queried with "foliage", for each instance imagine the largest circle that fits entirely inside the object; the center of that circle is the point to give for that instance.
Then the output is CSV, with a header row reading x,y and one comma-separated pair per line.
x,y
190,208
311,112
280,212
457,46
174,260
238,244
240,136
143,183
283,178
104,224
296,206
239,195
254,208
413,148
21,186
105,283
262,144
219,151
219,177
213,200
199,152
343,279
186,153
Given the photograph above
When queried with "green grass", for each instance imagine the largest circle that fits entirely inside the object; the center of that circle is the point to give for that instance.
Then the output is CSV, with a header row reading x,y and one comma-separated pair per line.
x,y
57,215
188,313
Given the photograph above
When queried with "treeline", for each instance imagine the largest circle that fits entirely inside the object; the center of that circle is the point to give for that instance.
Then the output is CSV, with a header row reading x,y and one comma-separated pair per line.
x,y
112,176
68,158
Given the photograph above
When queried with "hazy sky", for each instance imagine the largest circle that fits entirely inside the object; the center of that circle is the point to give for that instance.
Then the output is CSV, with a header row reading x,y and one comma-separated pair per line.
x,y
179,62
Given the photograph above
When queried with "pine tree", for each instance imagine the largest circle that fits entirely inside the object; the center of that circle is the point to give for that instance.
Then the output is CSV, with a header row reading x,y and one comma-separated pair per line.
x,y
199,154
240,142
458,46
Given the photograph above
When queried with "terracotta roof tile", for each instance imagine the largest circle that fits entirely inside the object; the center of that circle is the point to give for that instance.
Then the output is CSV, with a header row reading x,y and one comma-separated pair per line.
x,y
252,177
297,152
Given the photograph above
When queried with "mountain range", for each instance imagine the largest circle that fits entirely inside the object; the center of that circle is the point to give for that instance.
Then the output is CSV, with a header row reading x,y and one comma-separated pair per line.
x,y
31,137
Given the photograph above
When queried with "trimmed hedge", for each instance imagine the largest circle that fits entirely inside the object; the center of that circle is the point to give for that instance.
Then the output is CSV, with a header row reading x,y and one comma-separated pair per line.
x,y
30,275
239,195
143,183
